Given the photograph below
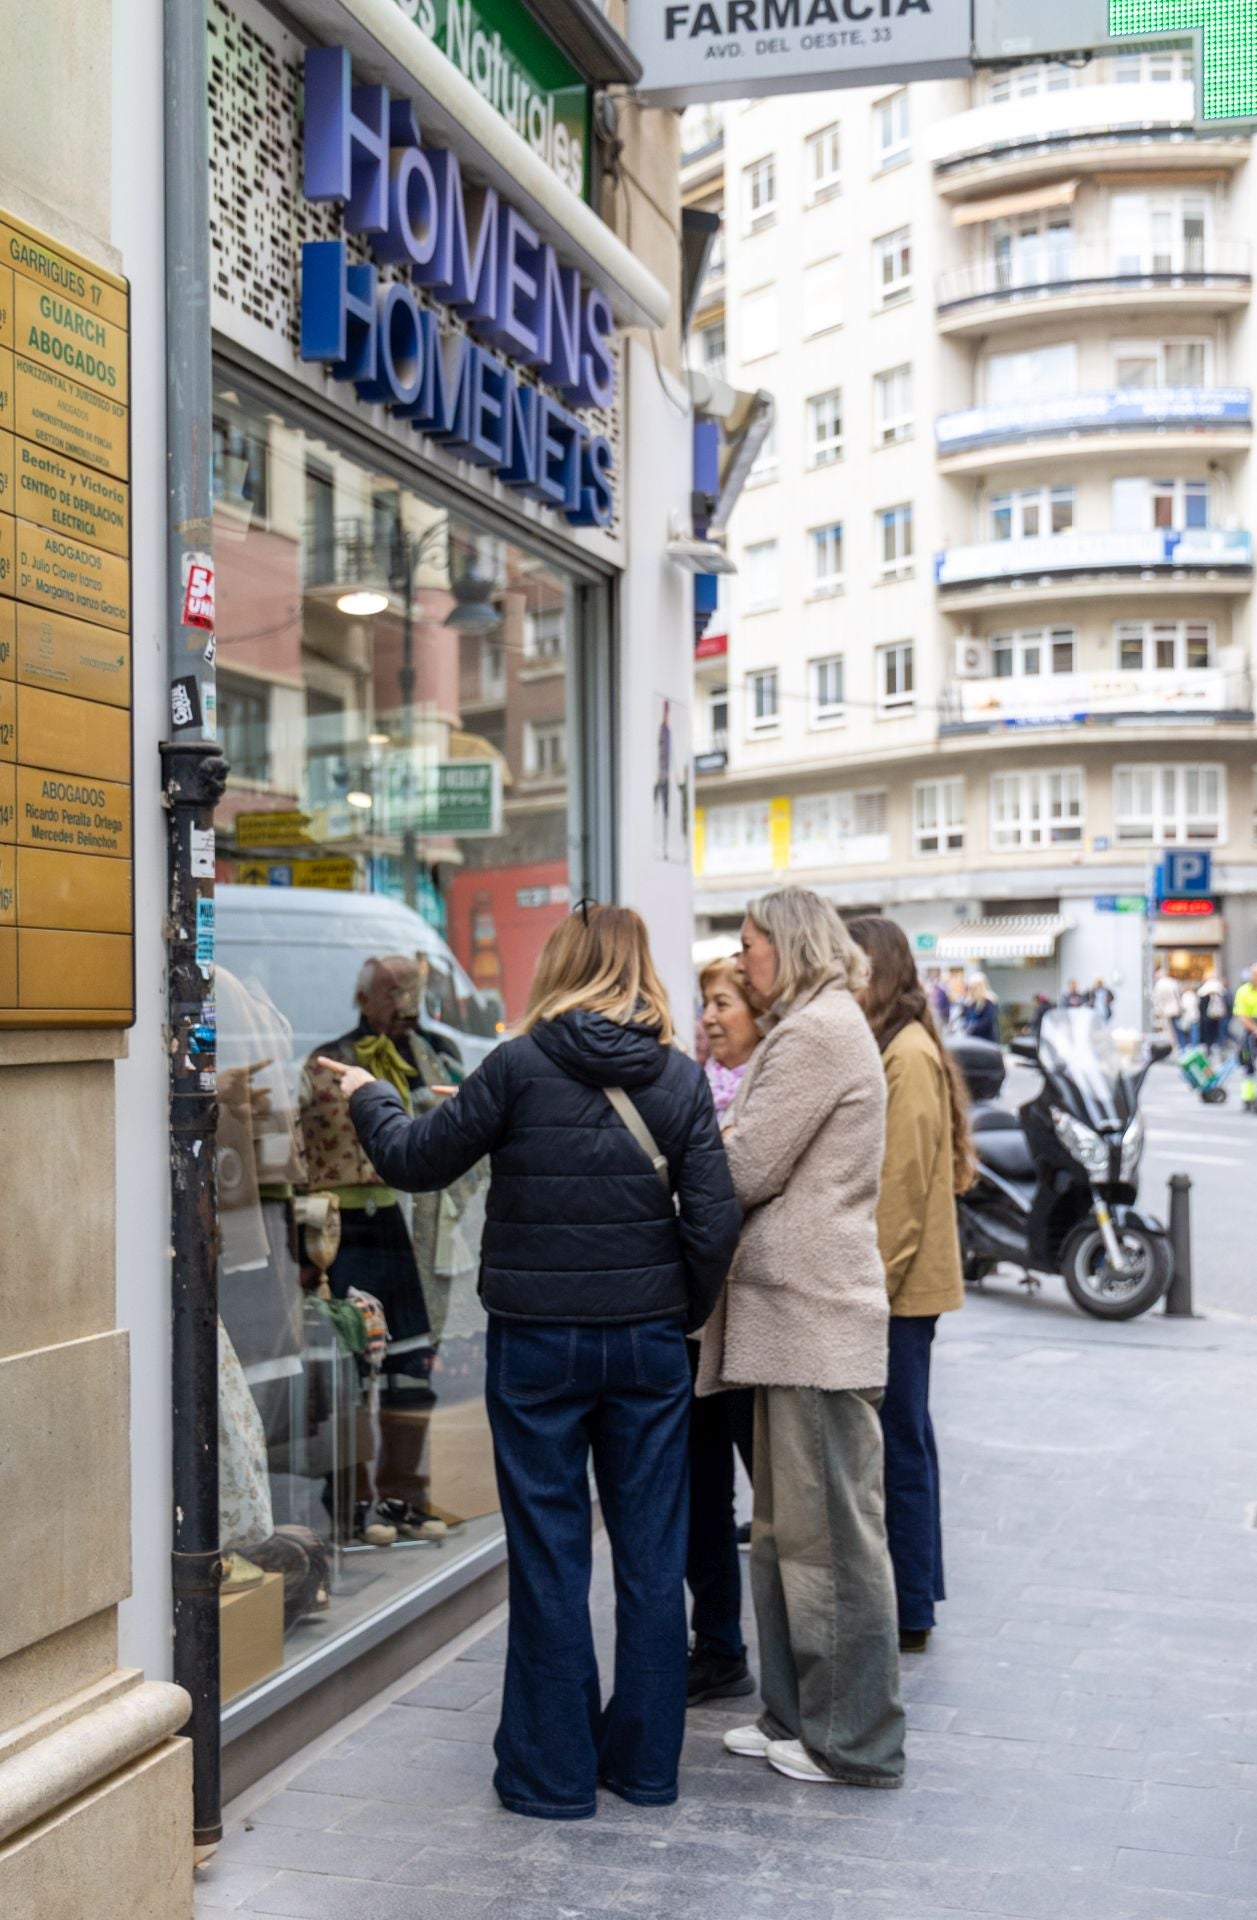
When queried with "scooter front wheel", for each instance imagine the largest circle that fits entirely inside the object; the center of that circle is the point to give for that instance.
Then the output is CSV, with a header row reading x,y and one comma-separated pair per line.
x,y
1096,1286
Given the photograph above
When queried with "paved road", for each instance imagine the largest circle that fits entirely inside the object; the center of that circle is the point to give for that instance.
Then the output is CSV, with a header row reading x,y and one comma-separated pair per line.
x,y
1084,1726
1217,1146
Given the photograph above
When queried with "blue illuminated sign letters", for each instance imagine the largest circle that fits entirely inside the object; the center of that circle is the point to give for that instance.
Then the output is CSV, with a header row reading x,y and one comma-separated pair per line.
x,y
478,256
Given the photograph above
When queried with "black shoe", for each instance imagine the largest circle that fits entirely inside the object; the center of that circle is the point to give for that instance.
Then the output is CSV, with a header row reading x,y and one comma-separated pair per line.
x,y
716,1676
744,1537
914,1642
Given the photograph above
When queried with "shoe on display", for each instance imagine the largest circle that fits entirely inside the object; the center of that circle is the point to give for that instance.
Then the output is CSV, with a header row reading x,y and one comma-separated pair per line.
x,y
792,1758
716,1676
748,1742
412,1523
370,1530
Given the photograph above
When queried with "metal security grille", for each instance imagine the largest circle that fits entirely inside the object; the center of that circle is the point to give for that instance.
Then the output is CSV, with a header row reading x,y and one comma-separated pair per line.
x,y
259,217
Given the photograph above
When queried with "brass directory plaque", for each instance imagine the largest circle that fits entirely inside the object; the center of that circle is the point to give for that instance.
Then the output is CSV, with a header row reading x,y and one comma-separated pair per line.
x,y
66,887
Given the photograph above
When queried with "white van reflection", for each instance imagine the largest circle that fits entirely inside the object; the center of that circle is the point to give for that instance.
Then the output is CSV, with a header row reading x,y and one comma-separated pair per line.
x,y
305,948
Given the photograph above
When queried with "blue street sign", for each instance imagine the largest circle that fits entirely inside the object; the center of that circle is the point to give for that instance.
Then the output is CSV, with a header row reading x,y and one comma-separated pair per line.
x,y
1184,872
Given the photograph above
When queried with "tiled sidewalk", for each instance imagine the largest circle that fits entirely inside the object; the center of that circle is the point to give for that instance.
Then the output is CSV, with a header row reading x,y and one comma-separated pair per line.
x,y
1084,1727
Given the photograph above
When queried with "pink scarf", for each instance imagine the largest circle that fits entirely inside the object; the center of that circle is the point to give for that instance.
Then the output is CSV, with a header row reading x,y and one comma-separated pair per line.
x,y
724,1083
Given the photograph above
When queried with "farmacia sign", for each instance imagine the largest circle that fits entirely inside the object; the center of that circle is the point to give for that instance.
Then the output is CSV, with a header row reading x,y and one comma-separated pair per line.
x,y
520,72
479,257
694,50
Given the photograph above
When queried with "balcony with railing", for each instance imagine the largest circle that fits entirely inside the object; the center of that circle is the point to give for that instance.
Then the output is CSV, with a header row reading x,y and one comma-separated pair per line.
x,y
1066,274
1145,126
1126,418
1032,703
1079,565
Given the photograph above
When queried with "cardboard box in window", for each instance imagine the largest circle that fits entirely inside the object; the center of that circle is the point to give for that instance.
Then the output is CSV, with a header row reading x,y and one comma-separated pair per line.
x,y
439,1458
251,1633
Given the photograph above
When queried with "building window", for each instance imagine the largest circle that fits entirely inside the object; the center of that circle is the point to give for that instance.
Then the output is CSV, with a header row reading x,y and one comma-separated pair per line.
x,y
1161,363
710,345
1037,809
822,296
1156,69
825,555
1022,83
821,164
892,267
1035,250
1164,646
1031,512
759,184
761,576
894,678
1159,233
892,405
718,719
1032,651
938,816
824,428
764,466
846,826
545,749
1183,805
1043,372
826,685
1145,506
894,541
239,477
892,143
759,323
738,838
492,670
762,713
244,712
543,634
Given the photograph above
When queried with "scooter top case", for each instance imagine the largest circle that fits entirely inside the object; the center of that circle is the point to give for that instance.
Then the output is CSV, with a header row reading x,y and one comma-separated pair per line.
x,y
982,1064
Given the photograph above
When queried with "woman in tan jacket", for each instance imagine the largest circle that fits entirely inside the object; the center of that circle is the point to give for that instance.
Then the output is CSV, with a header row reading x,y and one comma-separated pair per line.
x,y
928,1160
803,1320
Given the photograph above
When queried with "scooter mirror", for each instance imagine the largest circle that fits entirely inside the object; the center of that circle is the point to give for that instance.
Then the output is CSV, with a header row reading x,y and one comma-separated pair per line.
x,y
1025,1046
1161,1049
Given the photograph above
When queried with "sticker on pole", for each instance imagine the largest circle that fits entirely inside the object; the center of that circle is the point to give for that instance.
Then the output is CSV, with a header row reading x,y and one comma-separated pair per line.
x,y
185,702
198,590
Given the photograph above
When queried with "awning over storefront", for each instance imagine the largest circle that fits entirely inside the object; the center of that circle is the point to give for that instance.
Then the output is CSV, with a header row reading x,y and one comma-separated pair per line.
x,y
1025,936
1061,194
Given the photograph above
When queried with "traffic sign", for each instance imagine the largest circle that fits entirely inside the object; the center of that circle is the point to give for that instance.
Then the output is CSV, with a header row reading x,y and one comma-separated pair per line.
x,y
1184,872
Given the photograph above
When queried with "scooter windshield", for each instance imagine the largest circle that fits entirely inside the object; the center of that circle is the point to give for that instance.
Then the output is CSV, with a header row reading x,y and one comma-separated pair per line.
x,y
1076,1043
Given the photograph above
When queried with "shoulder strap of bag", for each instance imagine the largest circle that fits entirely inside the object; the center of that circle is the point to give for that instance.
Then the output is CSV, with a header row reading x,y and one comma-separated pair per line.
x,y
640,1132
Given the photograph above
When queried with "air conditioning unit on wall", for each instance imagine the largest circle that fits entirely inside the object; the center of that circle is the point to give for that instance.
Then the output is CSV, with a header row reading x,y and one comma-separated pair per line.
x,y
972,657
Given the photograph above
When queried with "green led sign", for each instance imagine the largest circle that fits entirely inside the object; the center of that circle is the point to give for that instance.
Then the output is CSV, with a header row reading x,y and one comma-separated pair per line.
x,y
1228,46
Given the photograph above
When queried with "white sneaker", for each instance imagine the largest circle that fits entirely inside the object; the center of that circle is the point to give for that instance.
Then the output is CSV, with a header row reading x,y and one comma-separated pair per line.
x,y
748,1741
792,1758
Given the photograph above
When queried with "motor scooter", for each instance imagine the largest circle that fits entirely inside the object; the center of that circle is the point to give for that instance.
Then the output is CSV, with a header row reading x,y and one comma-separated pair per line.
x,y
1058,1179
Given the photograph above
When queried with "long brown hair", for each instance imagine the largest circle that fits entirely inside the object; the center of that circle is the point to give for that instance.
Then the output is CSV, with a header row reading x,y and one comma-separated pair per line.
x,y
599,958
894,999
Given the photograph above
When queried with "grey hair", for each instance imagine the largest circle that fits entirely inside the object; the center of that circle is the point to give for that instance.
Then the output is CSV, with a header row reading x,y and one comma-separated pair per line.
x,y
369,968
811,943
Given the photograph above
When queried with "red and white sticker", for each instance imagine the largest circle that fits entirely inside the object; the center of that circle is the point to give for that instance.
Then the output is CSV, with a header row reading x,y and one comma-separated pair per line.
x,y
198,590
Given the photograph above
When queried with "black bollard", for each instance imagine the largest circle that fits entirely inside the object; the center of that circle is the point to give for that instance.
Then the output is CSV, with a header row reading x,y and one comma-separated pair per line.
x,y
1178,1298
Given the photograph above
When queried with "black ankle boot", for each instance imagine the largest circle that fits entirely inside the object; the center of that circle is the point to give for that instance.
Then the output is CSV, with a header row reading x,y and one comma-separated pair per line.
x,y
717,1676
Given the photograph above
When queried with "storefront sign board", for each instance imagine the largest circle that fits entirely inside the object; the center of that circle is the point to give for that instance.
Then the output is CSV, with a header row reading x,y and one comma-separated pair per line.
x,y
66,882
272,829
462,797
335,874
696,50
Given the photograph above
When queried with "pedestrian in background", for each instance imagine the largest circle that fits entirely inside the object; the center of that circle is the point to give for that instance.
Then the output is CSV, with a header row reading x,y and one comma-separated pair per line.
x,y
928,1161
1167,1005
803,1320
590,1276
1189,1015
721,1424
1102,999
1215,1008
981,1014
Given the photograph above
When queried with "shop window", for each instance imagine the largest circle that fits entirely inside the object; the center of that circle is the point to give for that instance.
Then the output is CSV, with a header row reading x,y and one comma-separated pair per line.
x,y
938,816
391,859
738,839
894,538
822,170
892,405
847,828
824,428
1169,805
1041,808
892,267
827,685
895,686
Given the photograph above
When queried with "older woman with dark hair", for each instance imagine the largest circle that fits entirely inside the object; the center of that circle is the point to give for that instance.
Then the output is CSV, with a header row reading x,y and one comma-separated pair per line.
x,y
928,1160
803,1320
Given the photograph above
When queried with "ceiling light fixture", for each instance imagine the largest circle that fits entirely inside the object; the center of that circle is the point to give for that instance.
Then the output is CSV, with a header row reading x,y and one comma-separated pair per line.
x,y
362,603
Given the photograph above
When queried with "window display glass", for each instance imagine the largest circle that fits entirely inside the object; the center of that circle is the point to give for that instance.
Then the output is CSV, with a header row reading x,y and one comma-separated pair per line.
x,y
391,853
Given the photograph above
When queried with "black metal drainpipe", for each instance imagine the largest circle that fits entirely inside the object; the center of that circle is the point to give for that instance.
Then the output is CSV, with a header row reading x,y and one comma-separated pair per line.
x,y
193,776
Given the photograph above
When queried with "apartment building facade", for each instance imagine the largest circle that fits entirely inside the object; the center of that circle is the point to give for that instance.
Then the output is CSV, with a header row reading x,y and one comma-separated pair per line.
x,y
988,650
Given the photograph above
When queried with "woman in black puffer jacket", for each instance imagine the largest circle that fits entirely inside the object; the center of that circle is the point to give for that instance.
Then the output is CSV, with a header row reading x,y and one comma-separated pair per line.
x,y
590,1274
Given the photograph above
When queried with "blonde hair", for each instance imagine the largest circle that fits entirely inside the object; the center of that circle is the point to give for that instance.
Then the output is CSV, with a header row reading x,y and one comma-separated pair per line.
x,y
723,973
810,941
980,988
598,958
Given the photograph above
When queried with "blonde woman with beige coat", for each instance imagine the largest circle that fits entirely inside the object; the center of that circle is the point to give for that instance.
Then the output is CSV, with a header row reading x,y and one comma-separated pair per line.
x,y
803,1319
